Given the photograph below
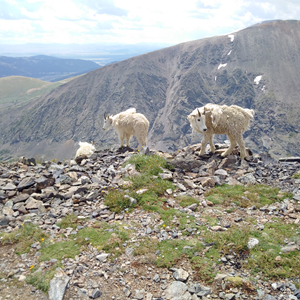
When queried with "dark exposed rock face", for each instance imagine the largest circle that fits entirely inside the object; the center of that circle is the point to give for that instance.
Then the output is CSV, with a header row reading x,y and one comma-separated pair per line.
x,y
165,86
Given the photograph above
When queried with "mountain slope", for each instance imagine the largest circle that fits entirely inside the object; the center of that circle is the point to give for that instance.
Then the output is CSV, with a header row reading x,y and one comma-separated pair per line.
x,y
257,68
20,90
44,67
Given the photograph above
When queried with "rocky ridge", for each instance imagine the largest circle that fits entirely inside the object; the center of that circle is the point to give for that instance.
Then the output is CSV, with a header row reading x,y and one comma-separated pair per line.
x,y
245,68
43,194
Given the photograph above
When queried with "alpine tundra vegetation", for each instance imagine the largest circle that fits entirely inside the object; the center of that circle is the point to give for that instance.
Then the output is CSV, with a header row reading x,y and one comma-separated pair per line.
x,y
218,227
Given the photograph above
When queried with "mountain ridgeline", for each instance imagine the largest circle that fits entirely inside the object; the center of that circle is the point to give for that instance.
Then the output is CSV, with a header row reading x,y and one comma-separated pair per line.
x,y
257,67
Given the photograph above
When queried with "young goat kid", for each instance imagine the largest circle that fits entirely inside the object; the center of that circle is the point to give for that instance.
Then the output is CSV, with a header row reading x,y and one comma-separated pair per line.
x,y
85,149
221,119
127,124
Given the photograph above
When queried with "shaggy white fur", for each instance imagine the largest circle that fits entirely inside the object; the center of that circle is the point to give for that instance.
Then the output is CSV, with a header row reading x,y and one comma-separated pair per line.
x,y
127,124
221,119
85,149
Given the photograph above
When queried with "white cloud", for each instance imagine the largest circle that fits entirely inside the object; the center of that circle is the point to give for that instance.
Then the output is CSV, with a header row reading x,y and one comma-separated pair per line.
x,y
133,21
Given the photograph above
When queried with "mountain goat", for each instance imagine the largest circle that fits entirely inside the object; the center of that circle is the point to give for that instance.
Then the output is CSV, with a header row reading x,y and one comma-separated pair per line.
x,y
127,124
85,149
221,119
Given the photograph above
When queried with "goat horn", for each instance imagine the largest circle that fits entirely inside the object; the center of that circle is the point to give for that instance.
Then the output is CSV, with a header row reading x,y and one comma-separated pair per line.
x,y
105,115
199,112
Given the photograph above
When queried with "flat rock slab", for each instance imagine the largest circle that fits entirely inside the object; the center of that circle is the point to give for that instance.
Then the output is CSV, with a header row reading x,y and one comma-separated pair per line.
x,y
290,159
58,285
176,289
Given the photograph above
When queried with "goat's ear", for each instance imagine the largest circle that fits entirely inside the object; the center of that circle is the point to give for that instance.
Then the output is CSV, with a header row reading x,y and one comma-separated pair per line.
x,y
92,142
199,112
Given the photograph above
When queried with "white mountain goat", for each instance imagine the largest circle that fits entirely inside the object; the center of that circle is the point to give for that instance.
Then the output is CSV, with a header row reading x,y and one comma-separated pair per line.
x,y
85,149
127,124
221,119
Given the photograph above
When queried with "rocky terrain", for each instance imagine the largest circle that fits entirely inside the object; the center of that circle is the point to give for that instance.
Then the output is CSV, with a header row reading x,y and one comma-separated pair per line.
x,y
257,67
46,194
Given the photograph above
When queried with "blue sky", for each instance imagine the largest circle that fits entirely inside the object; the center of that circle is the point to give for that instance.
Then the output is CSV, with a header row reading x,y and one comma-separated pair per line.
x,y
133,21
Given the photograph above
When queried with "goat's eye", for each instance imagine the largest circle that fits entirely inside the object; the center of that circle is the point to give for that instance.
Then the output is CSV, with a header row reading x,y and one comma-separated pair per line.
x,y
199,120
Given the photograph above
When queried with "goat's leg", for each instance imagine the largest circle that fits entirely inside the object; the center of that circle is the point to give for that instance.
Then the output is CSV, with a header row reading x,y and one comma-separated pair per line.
x,y
212,146
203,144
241,143
128,136
121,138
231,146
142,141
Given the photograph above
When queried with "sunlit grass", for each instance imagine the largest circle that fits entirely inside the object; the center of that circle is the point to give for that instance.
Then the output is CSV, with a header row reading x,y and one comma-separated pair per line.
x,y
24,237
245,196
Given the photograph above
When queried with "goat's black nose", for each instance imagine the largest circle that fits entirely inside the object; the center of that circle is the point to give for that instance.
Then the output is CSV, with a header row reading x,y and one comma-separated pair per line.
x,y
204,129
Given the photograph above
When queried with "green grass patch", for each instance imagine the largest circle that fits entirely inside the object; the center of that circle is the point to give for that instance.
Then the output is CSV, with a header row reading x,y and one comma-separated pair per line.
x,y
118,200
261,258
187,222
157,185
146,246
107,238
245,196
230,210
149,164
172,250
204,269
271,240
69,221
59,250
235,239
185,200
150,167
24,237
211,221
41,280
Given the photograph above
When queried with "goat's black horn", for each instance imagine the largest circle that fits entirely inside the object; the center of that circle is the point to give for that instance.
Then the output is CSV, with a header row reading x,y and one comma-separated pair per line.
x,y
199,112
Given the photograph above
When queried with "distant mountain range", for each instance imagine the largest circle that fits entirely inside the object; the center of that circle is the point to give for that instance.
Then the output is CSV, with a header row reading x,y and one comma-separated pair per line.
x,y
44,67
257,68
101,53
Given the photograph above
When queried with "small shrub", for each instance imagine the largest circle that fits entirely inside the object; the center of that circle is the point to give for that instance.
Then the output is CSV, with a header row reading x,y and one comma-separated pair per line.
x,y
296,175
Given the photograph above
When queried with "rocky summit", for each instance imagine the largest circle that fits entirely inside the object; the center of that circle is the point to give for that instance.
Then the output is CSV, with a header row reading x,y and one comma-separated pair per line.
x,y
46,194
